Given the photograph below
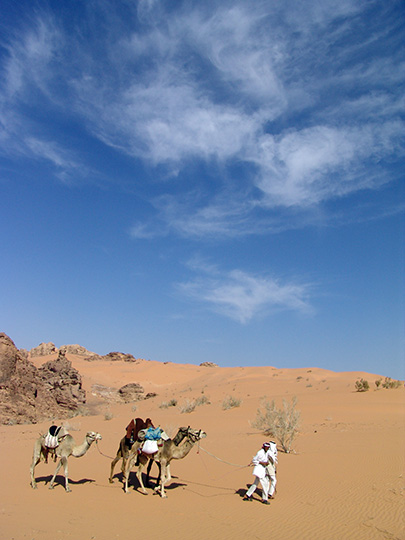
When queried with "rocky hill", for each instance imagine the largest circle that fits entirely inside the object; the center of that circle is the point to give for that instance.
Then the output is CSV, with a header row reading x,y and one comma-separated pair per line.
x,y
30,394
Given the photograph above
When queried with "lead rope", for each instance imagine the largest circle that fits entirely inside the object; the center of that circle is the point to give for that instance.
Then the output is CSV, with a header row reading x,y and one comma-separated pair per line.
x,y
219,459
109,457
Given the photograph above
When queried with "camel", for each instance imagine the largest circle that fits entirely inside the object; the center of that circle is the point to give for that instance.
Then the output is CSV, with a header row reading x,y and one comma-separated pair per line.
x,y
124,452
67,447
166,453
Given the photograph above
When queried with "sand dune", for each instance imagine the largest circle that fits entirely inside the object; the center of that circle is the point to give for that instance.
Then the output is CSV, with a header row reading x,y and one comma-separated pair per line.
x,y
345,479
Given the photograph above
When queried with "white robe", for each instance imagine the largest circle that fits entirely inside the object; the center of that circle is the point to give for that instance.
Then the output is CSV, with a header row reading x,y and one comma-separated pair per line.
x,y
260,470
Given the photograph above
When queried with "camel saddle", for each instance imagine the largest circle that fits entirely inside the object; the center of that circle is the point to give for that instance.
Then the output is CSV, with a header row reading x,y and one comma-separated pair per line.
x,y
54,436
52,440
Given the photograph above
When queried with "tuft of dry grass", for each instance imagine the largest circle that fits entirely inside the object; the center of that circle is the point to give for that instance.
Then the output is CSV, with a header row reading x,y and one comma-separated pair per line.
x,y
202,400
188,406
230,402
167,404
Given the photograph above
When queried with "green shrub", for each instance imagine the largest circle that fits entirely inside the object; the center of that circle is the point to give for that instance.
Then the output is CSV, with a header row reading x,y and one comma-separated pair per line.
x,y
362,385
389,383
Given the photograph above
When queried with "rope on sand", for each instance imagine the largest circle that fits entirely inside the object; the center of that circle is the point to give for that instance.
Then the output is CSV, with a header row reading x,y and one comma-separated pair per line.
x,y
222,460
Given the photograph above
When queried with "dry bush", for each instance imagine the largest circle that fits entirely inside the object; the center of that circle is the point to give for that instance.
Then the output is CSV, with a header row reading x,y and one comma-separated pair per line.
x,y
279,423
202,400
188,406
230,402
167,404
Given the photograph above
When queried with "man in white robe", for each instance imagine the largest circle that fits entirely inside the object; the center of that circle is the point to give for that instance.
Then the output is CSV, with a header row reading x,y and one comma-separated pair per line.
x,y
260,462
272,454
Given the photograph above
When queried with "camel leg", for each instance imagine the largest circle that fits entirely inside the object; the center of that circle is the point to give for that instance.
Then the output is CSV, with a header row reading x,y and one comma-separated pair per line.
x,y
148,472
35,462
65,466
128,467
36,458
169,476
139,476
62,461
163,480
113,464
58,466
124,464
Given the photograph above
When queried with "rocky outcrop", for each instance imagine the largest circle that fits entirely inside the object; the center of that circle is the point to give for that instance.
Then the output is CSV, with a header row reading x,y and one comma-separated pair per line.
x,y
44,349
114,357
126,394
29,394
8,358
131,392
208,364
75,349
63,382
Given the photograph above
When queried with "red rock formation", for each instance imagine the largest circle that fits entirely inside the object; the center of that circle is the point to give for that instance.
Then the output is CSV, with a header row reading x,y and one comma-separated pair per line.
x,y
28,394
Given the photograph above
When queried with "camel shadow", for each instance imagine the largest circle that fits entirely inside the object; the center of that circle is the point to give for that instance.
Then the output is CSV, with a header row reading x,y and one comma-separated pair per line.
x,y
61,480
174,485
133,482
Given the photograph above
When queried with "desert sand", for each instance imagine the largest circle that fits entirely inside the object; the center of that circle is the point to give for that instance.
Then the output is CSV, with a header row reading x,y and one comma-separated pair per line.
x,y
344,480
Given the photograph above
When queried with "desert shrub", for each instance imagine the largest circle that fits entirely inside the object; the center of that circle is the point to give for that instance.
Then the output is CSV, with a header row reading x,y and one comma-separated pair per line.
x,y
230,402
108,415
133,408
378,383
188,406
389,383
202,400
167,404
280,423
362,385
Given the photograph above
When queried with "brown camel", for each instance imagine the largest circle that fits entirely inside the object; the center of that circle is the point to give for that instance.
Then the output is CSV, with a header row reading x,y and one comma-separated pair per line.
x,y
164,456
124,452
67,447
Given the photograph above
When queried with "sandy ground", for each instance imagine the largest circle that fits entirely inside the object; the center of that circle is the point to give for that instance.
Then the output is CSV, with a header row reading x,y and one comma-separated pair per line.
x,y
345,479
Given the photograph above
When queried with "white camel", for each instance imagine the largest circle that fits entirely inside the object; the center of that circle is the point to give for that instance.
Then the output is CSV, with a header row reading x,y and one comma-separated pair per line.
x,y
166,453
66,448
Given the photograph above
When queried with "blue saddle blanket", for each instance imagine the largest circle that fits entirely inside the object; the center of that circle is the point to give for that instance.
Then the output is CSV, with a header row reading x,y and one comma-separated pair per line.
x,y
153,434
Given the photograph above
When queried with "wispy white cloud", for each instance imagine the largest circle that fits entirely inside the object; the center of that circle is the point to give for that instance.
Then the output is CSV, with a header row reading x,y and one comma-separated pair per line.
x,y
242,296
315,164
221,85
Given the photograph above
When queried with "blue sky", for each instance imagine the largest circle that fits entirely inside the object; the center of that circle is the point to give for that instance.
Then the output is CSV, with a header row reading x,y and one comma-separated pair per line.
x,y
191,181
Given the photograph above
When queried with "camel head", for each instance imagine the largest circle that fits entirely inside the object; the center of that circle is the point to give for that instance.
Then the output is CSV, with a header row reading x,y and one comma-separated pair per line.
x,y
92,436
195,435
